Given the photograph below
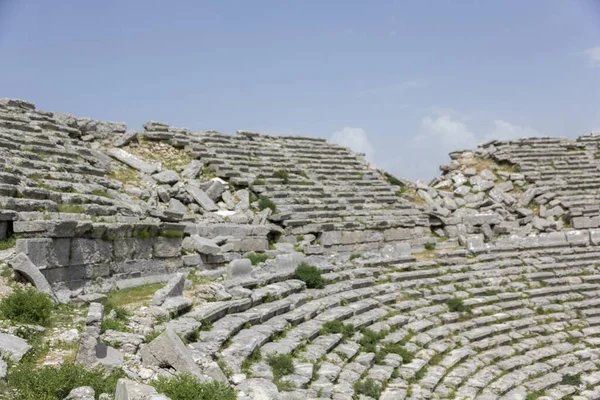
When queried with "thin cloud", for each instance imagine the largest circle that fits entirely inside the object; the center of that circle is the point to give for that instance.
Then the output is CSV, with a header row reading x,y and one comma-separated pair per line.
x,y
356,139
593,56
395,88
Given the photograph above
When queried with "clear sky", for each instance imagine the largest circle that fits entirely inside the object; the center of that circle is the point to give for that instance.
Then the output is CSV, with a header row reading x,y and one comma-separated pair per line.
x,y
405,81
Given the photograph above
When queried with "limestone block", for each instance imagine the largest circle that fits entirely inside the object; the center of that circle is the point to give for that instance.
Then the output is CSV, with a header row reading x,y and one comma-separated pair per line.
x,y
125,138
13,347
90,251
201,198
130,390
134,161
21,264
36,249
165,247
173,288
193,169
168,350
239,268
201,245
167,177
81,393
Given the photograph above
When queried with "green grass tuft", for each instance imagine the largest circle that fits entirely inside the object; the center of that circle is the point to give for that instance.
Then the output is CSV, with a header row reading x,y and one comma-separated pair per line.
x,y
368,387
256,258
310,275
265,202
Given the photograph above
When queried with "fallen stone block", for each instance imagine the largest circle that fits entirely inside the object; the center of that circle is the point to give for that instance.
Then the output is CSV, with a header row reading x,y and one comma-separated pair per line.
x,y
13,347
168,350
21,264
200,245
168,177
130,390
193,169
134,162
173,288
201,198
81,393
125,138
239,268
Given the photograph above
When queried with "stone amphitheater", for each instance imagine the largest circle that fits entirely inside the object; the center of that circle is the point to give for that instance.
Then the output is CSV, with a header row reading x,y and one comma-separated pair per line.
x,y
287,267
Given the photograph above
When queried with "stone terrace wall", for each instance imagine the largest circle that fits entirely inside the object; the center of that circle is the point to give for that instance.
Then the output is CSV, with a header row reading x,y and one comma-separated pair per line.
x,y
330,192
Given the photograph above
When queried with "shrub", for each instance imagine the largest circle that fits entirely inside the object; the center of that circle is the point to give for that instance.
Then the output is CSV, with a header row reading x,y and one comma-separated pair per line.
x,y
187,387
27,306
370,339
265,202
336,326
397,348
353,256
282,364
310,275
283,175
369,388
572,380
429,246
456,305
51,383
256,258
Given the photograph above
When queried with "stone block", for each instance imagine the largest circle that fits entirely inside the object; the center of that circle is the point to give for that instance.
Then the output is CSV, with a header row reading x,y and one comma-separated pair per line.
x,y
130,390
13,347
165,247
196,243
36,249
168,350
173,288
239,268
581,222
201,198
134,162
21,264
192,260
251,244
90,251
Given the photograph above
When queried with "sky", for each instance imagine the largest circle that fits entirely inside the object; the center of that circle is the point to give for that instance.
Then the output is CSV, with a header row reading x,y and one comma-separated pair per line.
x,y
406,82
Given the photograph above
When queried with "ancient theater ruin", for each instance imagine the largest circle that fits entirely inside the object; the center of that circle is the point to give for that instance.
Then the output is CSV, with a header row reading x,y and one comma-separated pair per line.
x,y
287,267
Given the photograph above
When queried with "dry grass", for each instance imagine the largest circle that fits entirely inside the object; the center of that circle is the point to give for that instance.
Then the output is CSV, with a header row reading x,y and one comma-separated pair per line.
x,y
481,164
171,157
411,195
123,173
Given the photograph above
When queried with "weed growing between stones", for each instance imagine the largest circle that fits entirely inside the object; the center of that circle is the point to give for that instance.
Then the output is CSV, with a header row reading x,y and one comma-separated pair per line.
x,y
187,387
347,330
27,306
265,202
456,305
283,175
310,275
369,387
256,258
370,339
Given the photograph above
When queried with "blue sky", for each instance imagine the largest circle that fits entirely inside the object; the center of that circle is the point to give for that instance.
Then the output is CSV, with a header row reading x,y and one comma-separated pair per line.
x,y
405,81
